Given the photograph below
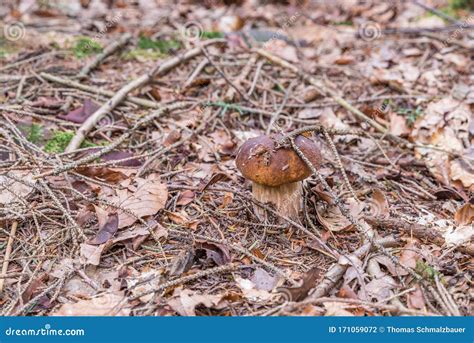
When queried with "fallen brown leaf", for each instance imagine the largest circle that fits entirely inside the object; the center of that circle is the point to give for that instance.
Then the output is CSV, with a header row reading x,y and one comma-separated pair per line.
x,y
104,305
465,214
106,230
147,199
184,302
80,114
216,252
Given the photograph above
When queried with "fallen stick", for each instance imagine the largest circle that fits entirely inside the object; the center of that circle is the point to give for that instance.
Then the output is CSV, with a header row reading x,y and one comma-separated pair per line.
x,y
195,73
438,13
114,144
187,278
230,94
394,309
420,232
8,251
326,91
109,50
122,93
336,272
95,90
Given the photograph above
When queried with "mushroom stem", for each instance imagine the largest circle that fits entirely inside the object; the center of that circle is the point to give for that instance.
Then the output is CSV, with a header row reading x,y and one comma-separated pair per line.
x,y
287,199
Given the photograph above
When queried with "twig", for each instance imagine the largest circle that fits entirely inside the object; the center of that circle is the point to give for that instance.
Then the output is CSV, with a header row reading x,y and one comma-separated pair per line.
x,y
240,249
459,43
196,72
230,94
114,144
384,307
187,278
440,14
419,231
407,30
453,307
122,93
95,90
109,50
274,118
339,163
255,78
221,72
336,272
326,91
349,216
8,251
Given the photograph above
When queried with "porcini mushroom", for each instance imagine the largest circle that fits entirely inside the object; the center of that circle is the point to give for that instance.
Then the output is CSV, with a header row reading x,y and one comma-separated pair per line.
x,y
276,172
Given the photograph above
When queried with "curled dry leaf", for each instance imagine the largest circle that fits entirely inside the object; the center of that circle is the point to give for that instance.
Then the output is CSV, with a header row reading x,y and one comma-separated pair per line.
x,y
336,309
283,50
250,291
217,252
333,220
458,235
380,288
377,205
107,230
263,280
217,177
415,299
182,262
181,218
398,125
184,302
10,187
301,292
33,287
222,142
461,169
346,292
227,199
146,199
79,115
139,283
465,214
104,305
172,138
408,257
185,197
90,254
325,196
445,124
102,173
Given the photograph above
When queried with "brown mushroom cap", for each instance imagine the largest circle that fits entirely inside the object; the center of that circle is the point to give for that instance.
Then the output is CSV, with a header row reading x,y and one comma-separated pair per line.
x,y
259,160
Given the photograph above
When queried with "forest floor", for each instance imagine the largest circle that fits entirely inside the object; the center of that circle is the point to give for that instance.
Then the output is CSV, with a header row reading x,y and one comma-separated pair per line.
x,y
120,122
